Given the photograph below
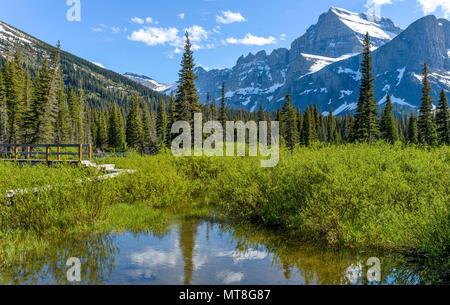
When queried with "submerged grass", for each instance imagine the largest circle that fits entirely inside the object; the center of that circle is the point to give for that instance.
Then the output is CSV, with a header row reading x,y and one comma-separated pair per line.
x,y
354,196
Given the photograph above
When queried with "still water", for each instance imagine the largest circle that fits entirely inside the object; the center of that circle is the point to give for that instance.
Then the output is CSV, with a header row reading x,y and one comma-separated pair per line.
x,y
204,252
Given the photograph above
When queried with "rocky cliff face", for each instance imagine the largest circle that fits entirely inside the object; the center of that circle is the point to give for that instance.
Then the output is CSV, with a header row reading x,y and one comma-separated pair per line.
x,y
262,79
397,67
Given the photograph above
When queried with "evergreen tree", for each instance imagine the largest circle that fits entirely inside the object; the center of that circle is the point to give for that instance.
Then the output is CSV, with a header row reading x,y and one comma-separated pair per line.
x,y
388,127
214,110
426,126
62,126
3,110
101,132
42,113
332,133
161,124
26,124
116,133
443,120
289,123
308,130
317,122
76,119
261,115
134,132
14,80
412,130
171,114
149,134
365,127
186,102
223,113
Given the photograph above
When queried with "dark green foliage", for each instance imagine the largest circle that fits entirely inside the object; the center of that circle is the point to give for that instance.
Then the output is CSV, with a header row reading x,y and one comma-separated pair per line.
x,y
116,132
223,113
332,132
134,131
289,129
309,128
161,124
412,130
443,120
388,128
365,128
426,125
186,102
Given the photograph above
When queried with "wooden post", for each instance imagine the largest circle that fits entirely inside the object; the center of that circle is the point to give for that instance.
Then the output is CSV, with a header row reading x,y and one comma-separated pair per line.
x,y
16,152
47,154
28,150
90,152
80,153
59,150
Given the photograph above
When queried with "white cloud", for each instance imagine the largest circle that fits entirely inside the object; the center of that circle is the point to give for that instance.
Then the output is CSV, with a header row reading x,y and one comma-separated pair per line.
x,y
181,16
154,36
197,33
115,30
250,39
98,30
149,20
228,17
431,6
283,37
137,20
229,277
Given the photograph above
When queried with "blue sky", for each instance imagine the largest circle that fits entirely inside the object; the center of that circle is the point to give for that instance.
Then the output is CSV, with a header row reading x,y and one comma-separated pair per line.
x,y
145,36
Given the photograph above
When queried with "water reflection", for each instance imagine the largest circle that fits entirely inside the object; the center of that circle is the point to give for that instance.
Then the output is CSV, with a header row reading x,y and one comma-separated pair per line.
x,y
96,253
198,252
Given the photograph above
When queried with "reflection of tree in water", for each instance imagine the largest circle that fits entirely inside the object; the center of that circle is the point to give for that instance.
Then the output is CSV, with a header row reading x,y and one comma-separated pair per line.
x,y
316,264
188,232
96,253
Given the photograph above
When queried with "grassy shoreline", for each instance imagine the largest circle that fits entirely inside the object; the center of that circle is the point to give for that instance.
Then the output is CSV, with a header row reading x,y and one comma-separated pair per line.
x,y
389,197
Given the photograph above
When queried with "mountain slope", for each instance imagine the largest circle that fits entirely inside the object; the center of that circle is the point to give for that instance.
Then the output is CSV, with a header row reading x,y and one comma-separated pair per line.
x,y
149,82
101,86
255,80
396,65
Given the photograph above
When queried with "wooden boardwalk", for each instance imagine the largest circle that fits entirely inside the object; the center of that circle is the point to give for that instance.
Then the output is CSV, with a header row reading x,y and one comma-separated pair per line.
x,y
32,153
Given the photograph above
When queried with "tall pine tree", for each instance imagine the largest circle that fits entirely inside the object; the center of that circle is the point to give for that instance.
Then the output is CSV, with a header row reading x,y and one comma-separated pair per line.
x,y
388,127
365,127
186,102
426,125
443,120
134,131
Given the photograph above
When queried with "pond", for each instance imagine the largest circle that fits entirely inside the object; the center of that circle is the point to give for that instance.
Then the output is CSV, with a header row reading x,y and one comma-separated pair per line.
x,y
205,252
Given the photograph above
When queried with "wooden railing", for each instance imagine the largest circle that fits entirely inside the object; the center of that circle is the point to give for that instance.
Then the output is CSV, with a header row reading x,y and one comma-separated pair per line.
x,y
27,151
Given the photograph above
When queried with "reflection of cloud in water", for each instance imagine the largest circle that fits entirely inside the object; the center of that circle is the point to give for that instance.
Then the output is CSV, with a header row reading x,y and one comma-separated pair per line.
x,y
150,259
229,277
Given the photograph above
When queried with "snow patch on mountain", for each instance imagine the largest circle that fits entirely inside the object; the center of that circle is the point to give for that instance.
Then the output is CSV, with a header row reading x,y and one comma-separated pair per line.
x,y
401,72
148,82
363,23
356,75
395,100
345,107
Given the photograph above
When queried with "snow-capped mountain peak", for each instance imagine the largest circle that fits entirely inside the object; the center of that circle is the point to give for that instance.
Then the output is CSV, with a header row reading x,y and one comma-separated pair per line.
x,y
362,23
148,82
